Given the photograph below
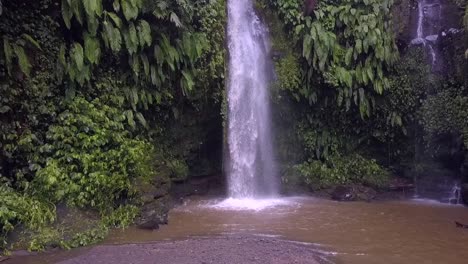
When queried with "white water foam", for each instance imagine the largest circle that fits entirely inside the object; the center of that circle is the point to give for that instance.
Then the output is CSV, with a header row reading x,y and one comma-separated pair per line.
x,y
250,204
427,201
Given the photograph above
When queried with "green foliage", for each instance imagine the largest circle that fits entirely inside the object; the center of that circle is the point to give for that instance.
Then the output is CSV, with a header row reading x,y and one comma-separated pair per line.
x,y
289,74
409,82
16,208
161,54
446,113
179,169
121,217
15,51
58,236
349,44
80,129
90,159
321,145
342,170
88,237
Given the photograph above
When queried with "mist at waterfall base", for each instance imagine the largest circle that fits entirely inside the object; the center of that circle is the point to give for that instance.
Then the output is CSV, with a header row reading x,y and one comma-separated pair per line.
x,y
251,170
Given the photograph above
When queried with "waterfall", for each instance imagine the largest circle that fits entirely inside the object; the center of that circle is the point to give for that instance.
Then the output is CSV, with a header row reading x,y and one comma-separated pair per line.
x,y
251,167
455,197
428,27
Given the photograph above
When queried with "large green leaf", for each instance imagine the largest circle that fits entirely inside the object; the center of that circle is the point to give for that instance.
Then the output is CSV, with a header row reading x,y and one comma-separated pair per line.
x,y
8,51
113,37
31,40
90,7
78,56
129,10
92,49
144,33
23,61
115,18
67,13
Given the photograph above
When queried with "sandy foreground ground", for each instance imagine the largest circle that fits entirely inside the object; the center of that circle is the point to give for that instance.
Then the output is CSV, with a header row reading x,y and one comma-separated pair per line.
x,y
219,250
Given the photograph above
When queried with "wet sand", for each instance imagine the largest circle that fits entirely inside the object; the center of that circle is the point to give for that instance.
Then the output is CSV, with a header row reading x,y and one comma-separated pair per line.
x,y
219,250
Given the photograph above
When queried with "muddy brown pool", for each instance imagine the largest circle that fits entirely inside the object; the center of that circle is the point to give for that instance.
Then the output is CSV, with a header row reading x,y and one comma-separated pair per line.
x,y
365,233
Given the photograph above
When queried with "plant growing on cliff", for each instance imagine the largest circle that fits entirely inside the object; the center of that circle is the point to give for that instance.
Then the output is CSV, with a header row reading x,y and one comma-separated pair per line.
x,y
349,44
131,29
20,209
90,159
342,170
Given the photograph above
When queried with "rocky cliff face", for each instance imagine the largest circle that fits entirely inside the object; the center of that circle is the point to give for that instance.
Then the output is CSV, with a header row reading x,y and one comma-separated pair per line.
x,y
437,16
402,21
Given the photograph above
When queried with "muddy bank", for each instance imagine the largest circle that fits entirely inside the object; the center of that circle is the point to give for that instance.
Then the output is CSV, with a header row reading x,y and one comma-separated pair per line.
x,y
226,249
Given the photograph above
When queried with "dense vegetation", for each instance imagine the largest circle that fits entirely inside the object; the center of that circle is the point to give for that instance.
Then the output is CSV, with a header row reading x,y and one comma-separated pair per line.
x,y
100,98
362,108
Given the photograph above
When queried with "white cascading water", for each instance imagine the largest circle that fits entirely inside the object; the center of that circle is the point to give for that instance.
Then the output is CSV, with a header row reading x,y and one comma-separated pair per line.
x,y
428,25
428,29
251,167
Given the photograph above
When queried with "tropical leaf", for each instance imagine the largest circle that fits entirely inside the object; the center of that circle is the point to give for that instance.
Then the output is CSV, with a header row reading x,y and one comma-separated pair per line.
x,y
146,65
174,18
92,49
135,64
23,61
77,55
130,119
62,59
77,9
116,5
93,25
141,119
144,33
115,18
130,36
90,7
188,80
32,41
67,13
8,51
113,36
129,10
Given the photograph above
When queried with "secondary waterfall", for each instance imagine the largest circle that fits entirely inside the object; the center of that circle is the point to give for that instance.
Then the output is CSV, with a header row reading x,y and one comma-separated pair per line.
x,y
251,167
428,26
432,22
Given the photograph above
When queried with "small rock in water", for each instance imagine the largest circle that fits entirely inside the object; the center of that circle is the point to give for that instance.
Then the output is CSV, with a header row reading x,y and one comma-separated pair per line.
x,y
149,225
343,193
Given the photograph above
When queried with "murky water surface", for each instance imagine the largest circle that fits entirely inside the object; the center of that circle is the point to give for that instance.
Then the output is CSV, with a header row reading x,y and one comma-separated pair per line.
x,y
364,233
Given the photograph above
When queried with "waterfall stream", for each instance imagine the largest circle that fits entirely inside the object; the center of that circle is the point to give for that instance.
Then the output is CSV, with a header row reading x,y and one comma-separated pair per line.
x,y
251,167
428,27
